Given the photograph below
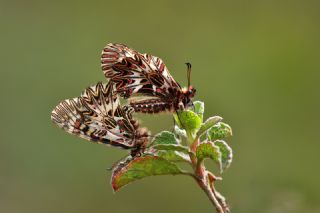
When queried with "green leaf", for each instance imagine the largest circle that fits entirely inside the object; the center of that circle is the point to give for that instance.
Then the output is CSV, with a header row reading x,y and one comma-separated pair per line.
x,y
189,120
165,137
174,156
180,132
173,147
130,170
219,131
208,150
172,152
226,154
199,108
219,151
208,124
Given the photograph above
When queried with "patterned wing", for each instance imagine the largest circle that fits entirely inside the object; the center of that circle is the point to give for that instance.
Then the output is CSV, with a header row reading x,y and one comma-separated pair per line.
x,y
96,116
136,73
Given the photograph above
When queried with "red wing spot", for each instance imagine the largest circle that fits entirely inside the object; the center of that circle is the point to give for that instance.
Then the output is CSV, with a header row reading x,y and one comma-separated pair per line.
x,y
120,122
159,90
161,67
77,124
107,60
108,50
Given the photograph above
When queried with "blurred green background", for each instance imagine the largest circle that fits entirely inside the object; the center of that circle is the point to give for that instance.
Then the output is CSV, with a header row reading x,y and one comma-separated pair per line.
x,y
255,63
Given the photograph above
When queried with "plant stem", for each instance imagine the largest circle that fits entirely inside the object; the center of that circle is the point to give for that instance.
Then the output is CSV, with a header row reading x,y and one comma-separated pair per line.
x,y
211,195
205,180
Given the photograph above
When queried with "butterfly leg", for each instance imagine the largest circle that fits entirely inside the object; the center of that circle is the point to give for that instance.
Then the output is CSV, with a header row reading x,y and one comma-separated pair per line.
x,y
193,107
118,163
174,124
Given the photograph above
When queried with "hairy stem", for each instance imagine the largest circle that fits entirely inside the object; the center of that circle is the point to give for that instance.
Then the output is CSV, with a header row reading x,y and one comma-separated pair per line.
x,y
206,180
211,195
207,186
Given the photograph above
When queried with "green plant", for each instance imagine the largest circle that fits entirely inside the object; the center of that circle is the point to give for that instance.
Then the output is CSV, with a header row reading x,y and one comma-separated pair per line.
x,y
192,142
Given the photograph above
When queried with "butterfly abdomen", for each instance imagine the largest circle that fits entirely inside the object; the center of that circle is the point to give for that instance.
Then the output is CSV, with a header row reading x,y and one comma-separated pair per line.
x,y
152,106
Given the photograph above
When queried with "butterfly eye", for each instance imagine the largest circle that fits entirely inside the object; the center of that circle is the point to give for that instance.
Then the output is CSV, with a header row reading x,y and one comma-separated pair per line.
x,y
192,92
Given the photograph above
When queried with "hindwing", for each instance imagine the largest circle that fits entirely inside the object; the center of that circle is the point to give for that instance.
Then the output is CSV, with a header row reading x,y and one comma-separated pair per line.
x,y
97,116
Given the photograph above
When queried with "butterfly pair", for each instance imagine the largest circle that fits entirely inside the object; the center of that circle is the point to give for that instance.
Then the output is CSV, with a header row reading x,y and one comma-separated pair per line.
x,y
143,79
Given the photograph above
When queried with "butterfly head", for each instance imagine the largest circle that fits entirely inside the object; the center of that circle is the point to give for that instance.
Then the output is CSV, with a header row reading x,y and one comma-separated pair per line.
x,y
191,92
186,97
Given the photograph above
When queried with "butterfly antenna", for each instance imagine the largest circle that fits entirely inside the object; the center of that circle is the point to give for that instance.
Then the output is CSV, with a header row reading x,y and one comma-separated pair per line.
x,y
188,73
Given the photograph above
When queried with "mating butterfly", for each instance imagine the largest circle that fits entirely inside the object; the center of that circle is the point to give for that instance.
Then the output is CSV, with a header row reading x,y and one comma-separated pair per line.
x,y
145,75
98,117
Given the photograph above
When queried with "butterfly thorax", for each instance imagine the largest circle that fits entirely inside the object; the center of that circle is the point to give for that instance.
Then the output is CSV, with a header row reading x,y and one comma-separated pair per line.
x,y
141,140
141,135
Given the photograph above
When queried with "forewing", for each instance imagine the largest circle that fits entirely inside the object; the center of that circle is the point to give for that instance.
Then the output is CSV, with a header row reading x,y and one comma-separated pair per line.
x,y
136,73
95,116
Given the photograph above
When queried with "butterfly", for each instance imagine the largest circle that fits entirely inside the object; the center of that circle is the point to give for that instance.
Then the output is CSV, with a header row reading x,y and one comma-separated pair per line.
x,y
97,116
146,77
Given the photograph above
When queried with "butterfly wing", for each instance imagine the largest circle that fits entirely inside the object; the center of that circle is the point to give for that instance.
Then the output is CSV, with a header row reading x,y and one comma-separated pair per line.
x,y
136,73
95,116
